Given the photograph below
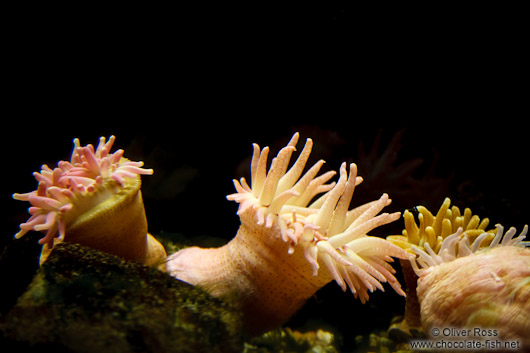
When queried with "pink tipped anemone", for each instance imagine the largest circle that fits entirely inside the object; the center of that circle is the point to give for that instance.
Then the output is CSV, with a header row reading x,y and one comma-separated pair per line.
x,y
472,285
94,200
292,240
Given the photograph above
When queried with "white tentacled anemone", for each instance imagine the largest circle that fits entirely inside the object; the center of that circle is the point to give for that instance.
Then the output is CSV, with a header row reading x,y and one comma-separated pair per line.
x,y
456,246
327,232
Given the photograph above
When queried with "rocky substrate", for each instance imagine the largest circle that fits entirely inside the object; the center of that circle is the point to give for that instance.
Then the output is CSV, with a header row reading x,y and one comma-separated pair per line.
x,y
83,300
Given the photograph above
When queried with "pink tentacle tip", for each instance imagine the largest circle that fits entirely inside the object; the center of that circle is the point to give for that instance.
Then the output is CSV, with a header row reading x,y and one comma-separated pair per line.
x,y
23,197
116,156
66,208
118,178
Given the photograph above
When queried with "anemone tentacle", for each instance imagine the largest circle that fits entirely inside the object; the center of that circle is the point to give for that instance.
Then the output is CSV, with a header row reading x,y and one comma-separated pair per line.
x,y
457,245
433,229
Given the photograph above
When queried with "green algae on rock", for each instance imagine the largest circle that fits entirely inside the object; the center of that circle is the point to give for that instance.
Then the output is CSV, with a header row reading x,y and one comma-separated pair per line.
x,y
83,300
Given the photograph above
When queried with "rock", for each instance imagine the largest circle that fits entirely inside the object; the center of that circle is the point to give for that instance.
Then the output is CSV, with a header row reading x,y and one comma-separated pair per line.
x,y
379,341
83,300
287,340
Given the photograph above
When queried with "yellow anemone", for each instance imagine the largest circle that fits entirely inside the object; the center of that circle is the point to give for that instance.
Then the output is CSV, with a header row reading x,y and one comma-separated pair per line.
x,y
434,229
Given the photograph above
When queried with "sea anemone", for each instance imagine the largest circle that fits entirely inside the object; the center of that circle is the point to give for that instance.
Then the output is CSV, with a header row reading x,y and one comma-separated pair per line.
x,y
292,242
468,285
431,231
94,200
411,178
